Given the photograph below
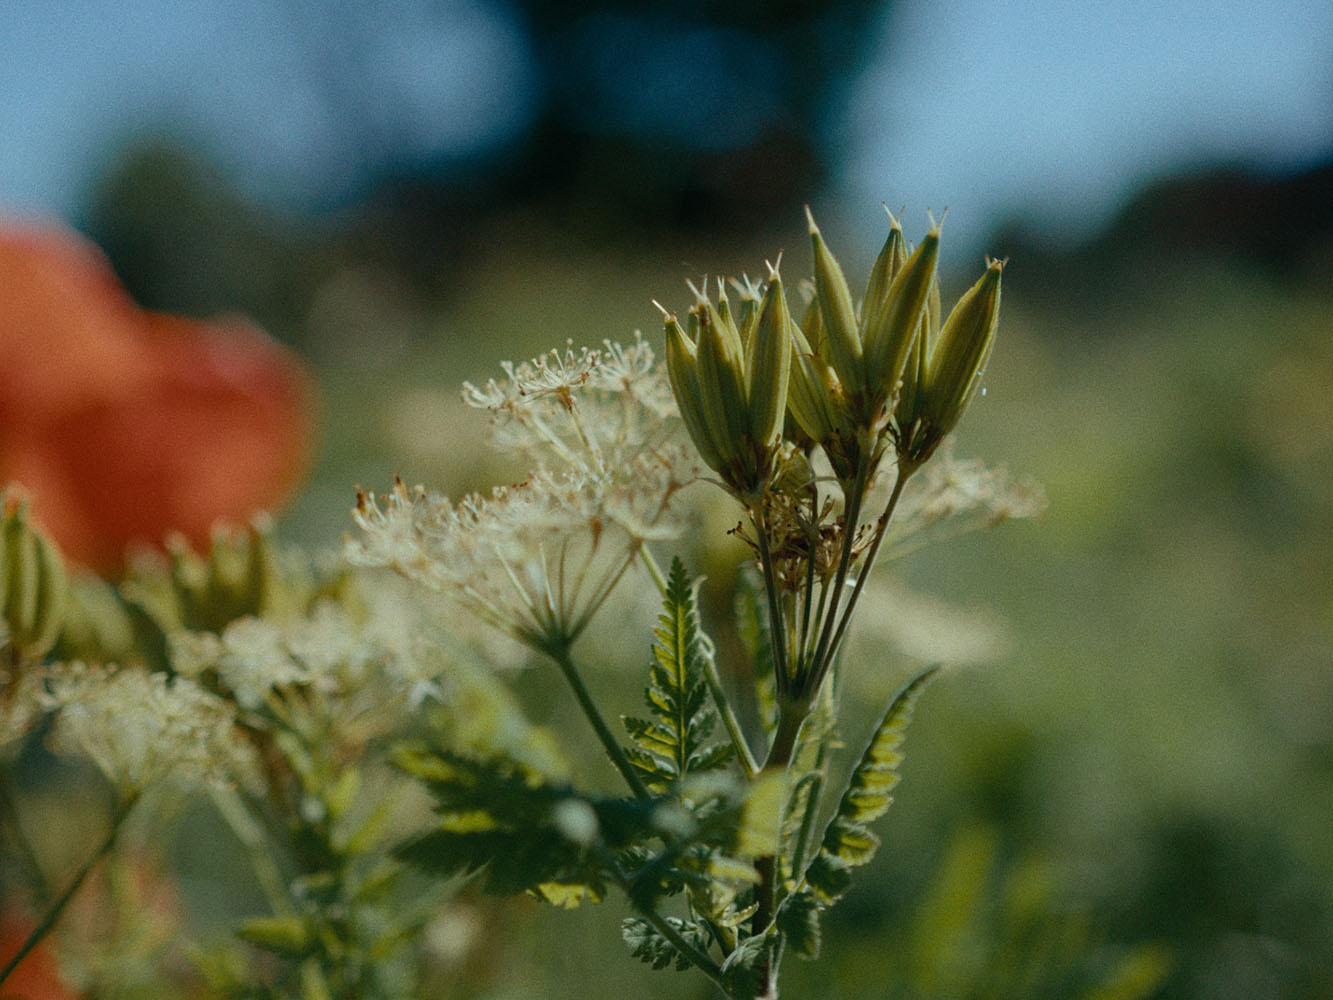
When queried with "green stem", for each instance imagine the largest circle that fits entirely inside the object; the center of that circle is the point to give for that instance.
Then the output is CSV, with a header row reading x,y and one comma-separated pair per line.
x,y
881,528
654,570
775,615
58,907
853,499
733,725
791,716
560,654
701,960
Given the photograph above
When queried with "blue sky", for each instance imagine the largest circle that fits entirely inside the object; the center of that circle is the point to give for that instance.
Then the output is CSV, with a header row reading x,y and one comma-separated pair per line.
x,y
1052,109
1057,109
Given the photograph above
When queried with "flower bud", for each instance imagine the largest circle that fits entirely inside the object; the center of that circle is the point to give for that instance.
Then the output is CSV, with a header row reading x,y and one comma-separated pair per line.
x,y
33,584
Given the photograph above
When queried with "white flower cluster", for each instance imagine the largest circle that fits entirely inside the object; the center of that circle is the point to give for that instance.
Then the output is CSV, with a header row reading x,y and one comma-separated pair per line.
x,y
141,728
536,559
950,496
329,651
539,558
589,410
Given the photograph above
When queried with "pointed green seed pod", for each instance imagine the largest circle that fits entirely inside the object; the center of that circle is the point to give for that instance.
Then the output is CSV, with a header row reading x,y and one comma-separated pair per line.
x,y
918,358
892,322
768,364
964,347
721,381
887,265
683,373
33,584
808,396
843,339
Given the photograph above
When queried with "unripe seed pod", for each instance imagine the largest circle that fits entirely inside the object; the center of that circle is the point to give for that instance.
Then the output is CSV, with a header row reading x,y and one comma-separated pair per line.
x,y
683,373
842,337
918,359
965,344
887,265
768,365
891,325
721,381
807,393
33,584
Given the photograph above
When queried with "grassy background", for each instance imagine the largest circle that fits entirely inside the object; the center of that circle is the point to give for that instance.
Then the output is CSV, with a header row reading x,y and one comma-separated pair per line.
x,y
1149,762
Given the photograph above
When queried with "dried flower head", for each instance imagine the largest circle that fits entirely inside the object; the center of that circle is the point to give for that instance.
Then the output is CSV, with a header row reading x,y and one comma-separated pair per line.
x,y
537,559
588,410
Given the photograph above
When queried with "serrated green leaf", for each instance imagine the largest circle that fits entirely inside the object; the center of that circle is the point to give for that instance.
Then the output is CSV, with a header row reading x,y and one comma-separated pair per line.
x,y
675,743
798,923
566,895
647,945
848,841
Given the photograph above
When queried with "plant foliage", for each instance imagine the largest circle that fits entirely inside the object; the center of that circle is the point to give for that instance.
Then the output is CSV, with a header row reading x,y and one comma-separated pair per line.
x,y
674,743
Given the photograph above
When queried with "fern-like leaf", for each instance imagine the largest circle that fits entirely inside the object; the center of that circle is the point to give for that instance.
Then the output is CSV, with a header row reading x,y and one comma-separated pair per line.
x,y
522,831
674,743
848,841
647,945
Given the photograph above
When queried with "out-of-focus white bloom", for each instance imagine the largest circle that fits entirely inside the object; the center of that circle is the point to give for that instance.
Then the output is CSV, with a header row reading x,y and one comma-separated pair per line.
x,y
142,728
329,650
950,496
925,628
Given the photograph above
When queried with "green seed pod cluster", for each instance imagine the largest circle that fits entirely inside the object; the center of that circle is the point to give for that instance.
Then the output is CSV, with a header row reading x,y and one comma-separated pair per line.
x,y
237,577
946,365
33,584
867,352
729,374
240,574
852,379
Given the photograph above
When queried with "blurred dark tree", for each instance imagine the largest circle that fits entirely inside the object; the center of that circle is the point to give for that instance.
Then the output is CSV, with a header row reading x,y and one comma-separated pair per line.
x,y
1279,224
184,239
645,121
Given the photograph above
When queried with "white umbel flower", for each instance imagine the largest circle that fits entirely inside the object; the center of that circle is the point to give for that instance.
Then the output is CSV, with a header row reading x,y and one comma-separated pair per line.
x,y
142,728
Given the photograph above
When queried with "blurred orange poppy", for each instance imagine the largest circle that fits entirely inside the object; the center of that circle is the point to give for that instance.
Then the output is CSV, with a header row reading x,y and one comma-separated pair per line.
x,y
37,977
125,424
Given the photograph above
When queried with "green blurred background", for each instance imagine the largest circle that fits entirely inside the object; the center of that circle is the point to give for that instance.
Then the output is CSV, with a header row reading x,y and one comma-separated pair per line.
x,y
1150,760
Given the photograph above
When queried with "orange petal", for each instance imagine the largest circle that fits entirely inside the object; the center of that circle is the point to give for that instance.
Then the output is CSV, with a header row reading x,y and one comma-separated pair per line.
x,y
127,425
